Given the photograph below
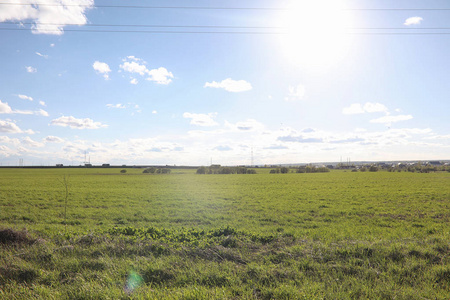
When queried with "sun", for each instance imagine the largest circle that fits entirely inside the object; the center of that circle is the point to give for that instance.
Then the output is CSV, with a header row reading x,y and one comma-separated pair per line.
x,y
316,32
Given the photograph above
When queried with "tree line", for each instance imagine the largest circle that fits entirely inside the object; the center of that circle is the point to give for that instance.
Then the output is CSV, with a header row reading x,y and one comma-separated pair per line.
x,y
225,170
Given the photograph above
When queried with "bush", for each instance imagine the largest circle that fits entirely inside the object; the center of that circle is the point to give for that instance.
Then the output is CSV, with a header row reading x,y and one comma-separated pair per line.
x,y
150,170
373,169
123,171
284,170
201,170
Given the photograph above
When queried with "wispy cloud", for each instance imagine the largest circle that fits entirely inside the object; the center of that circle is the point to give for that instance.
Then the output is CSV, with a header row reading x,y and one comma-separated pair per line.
x,y
201,119
53,139
223,148
296,93
30,69
6,109
391,119
31,143
230,85
299,139
74,123
118,105
247,125
369,107
25,97
42,55
413,21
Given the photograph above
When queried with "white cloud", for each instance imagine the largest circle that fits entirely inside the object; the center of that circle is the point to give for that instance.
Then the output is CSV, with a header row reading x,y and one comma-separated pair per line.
x,y
41,112
160,76
201,119
391,119
42,103
53,139
41,55
52,45
154,112
5,108
375,107
29,142
248,125
57,12
230,85
413,21
353,109
135,65
369,107
30,69
102,68
118,105
8,140
75,123
25,97
9,127
296,93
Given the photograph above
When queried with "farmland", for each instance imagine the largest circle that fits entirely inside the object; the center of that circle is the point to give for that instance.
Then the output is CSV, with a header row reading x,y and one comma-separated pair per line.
x,y
335,235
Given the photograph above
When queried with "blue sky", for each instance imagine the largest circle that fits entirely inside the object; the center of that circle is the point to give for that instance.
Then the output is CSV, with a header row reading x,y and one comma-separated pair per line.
x,y
308,85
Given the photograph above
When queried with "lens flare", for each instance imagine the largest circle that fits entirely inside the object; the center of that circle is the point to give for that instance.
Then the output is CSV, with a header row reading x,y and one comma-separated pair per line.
x,y
134,280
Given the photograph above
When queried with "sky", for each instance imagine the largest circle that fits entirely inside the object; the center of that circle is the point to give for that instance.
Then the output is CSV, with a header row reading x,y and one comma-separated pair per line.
x,y
223,82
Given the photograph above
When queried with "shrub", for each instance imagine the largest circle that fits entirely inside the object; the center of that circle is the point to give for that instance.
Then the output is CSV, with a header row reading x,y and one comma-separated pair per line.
x,y
123,171
373,169
284,170
150,170
201,170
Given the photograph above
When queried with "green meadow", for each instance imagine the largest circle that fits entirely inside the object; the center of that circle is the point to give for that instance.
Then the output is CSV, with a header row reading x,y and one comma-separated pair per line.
x,y
103,234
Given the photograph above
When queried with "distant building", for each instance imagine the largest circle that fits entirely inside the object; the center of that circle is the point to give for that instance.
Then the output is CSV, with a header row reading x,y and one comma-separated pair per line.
x,y
434,163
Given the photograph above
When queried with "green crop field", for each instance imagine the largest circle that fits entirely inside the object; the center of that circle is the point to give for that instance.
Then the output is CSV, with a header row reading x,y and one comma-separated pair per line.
x,y
336,235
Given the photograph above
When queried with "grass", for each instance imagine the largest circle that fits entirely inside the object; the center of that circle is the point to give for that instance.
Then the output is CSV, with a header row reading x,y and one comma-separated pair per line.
x,y
337,235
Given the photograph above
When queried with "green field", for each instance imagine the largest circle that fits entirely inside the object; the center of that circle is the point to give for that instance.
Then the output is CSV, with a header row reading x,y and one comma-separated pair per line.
x,y
336,235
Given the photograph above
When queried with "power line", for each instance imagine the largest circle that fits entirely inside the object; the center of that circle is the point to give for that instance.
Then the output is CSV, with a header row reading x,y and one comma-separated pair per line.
x,y
214,7
217,32
150,25
217,26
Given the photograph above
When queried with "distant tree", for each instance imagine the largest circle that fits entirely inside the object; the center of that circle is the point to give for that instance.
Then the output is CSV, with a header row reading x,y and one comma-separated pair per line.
x,y
241,170
201,170
273,171
373,169
284,170
251,171
123,171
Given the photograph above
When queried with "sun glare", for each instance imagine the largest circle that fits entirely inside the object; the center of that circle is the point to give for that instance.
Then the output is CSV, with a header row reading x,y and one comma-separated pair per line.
x,y
316,32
